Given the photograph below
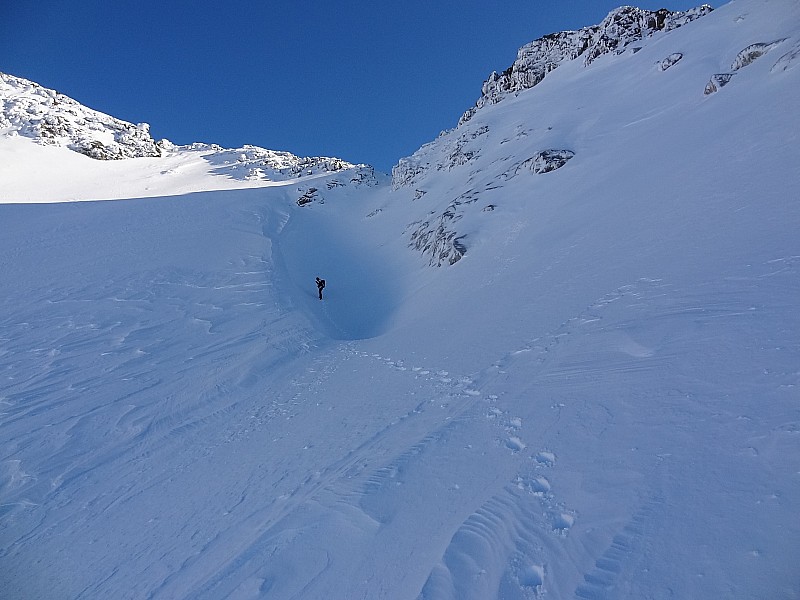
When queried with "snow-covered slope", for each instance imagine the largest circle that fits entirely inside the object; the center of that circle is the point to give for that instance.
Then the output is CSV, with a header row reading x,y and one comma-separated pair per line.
x,y
37,124
622,27
594,396
650,98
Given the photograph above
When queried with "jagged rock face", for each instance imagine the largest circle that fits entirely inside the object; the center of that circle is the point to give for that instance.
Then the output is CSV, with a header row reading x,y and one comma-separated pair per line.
x,y
546,161
444,234
443,154
52,118
618,30
436,237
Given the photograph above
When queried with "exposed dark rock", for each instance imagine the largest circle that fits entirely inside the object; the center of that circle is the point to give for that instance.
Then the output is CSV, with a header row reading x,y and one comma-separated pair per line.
x,y
51,118
55,119
440,243
744,58
751,53
717,81
548,160
542,162
311,195
670,61
364,175
406,171
443,154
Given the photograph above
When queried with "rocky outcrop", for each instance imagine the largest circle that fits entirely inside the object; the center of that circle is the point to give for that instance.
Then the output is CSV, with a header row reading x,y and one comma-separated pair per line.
x,y
547,160
448,151
365,175
310,195
622,27
438,240
717,82
751,53
253,163
31,110
743,58
51,118
358,175
670,61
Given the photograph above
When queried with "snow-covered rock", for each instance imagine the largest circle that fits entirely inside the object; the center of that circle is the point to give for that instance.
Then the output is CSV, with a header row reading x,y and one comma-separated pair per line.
x,y
670,61
34,111
53,119
622,27
743,59
259,164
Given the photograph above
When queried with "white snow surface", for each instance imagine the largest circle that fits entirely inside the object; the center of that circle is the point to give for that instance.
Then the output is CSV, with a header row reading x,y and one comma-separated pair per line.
x,y
600,399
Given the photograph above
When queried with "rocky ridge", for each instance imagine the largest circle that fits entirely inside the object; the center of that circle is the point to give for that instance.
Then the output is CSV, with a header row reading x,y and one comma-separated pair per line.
x,y
622,27
444,233
51,118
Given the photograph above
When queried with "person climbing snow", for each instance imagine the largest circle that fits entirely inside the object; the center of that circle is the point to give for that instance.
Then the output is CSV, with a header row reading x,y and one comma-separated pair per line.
x,y
320,286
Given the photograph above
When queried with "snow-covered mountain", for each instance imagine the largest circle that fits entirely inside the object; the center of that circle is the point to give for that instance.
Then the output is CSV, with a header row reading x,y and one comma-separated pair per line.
x,y
621,28
53,122
53,119
557,355
467,172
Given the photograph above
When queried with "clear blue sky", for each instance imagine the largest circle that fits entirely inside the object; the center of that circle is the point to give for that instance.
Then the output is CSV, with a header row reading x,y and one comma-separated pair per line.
x,y
367,81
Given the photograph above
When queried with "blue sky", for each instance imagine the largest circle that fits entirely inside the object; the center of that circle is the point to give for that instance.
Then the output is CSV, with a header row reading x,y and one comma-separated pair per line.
x,y
365,81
